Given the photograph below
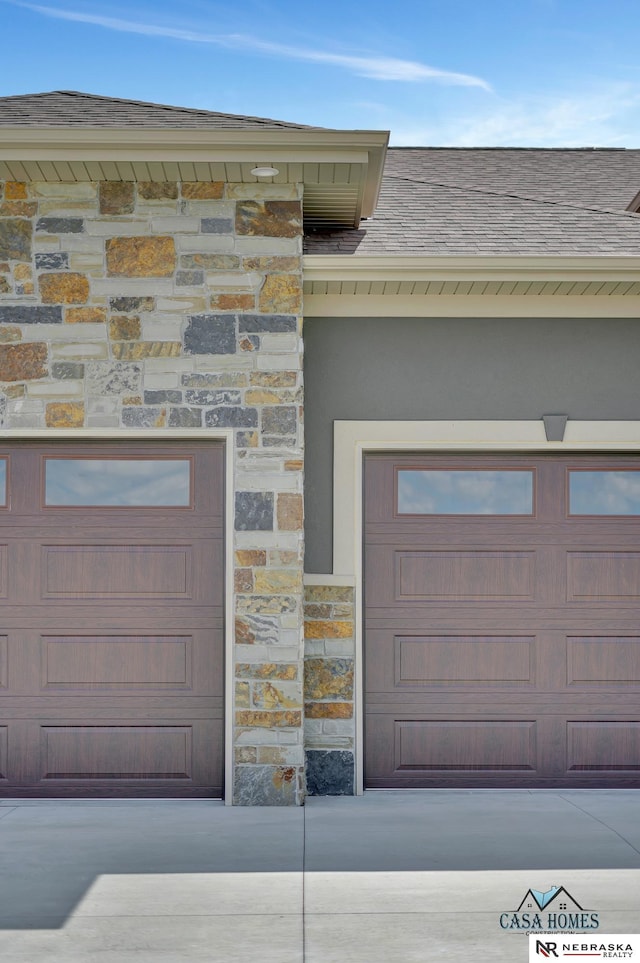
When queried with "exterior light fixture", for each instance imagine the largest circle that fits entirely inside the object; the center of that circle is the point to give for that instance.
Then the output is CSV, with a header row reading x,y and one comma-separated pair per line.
x,y
265,171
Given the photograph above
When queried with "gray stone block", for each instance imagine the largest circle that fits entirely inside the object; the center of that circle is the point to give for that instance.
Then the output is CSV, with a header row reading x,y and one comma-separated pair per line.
x,y
188,278
231,417
216,225
30,314
15,239
213,397
54,261
60,225
67,371
126,305
254,512
185,417
330,772
263,786
268,322
210,334
113,378
162,397
138,416
280,420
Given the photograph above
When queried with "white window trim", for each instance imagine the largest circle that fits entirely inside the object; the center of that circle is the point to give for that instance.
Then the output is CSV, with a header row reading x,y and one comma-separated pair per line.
x,y
352,439
177,434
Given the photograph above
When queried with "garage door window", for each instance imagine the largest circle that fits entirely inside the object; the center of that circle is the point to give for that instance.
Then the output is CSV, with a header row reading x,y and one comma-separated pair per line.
x,y
123,482
457,492
604,492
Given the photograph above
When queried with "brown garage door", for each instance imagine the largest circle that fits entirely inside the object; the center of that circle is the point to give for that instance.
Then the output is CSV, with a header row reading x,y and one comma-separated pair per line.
x,y
111,601
502,621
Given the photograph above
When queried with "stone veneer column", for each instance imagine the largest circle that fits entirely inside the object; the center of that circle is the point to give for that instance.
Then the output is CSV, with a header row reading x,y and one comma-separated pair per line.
x,y
151,305
328,689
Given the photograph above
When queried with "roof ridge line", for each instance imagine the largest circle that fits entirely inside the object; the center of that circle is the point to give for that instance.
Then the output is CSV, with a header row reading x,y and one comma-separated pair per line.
x,y
521,197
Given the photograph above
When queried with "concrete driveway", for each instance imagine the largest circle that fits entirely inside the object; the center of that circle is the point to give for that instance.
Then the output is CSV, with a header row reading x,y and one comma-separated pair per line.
x,y
394,876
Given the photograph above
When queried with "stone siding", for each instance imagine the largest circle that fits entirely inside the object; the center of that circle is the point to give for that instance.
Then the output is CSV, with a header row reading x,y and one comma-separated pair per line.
x,y
328,689
164,305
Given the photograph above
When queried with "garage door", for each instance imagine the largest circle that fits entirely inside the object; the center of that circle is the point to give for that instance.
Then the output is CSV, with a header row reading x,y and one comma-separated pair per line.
x,y
502,621
111,601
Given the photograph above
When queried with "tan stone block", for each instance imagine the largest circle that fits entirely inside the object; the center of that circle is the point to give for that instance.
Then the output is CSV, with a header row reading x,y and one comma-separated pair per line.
x,y
15,190
272,265
233,302
210,262
246,754
251,557
268,696
247,345
280,559
267,719
64,288
125,351
22,272
273,755
131,400
14,391
85,315
202,190
290,512
328,593
157,190
294,464
141,257
242,695
18,209
9,332
4,285
329,629
328,679
268,670
274,379
277,580
117,197
281,294
258,397
269,218
243,580
245,634
23,362
328,710
60,414
26,288
251,439
124,327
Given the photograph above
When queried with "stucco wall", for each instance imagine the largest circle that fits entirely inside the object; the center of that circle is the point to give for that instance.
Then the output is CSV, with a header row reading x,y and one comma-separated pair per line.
x,y
152,305
454,368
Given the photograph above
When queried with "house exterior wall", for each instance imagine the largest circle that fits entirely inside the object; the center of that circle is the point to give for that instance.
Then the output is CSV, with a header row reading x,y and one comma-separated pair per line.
x,y
445,369
157,305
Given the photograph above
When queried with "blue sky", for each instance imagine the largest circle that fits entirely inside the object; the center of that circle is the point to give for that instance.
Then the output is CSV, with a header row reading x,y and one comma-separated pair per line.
x,y
544,73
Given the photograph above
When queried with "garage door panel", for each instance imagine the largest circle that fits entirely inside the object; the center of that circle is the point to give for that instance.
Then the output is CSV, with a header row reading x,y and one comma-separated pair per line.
x,y
464,575
603,576
4,730
603,660
117,661
122,571
463,660
603,746
465,745
117,752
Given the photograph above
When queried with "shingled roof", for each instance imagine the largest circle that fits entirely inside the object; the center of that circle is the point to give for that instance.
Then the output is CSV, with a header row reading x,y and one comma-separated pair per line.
x,y
71,108
498,201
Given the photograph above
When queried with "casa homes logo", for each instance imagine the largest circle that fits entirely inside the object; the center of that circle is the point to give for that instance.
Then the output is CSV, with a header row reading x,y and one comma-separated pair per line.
x,y
554,910
612,946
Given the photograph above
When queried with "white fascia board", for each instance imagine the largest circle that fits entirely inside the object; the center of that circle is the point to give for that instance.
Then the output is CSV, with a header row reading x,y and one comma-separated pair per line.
x,y
342,267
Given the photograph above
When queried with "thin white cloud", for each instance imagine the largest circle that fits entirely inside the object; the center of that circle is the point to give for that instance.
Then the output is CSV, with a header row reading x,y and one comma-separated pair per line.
x,y
375,68
606,117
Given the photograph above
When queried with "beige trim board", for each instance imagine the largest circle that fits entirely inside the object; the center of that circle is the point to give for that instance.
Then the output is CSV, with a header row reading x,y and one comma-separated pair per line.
x,y
351,439
177,434
338,580
469,306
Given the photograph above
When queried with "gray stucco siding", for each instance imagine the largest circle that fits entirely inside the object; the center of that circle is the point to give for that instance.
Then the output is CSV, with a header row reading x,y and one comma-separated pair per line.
x,y
384,369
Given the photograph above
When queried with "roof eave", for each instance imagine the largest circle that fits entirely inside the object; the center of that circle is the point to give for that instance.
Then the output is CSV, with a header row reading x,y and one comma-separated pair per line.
x,y
353,158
